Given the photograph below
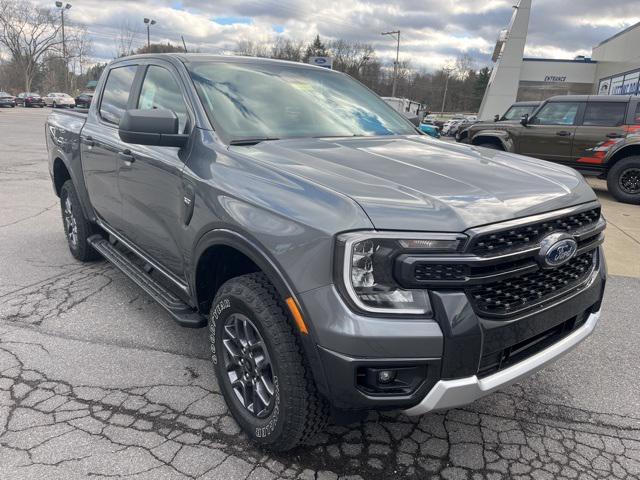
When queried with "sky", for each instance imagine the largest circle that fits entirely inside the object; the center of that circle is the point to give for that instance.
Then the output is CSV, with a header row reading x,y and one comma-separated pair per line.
x,y
433,31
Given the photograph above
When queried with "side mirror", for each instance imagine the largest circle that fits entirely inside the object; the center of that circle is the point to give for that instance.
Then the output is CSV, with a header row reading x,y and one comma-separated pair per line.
x,y
496,117
524,121
151,127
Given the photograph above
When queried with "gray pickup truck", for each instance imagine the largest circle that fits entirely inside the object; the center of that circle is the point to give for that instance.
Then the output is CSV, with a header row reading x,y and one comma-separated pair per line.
x,y
341,260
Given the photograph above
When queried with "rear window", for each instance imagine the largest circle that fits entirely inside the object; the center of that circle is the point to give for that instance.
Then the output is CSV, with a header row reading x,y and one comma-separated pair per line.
x,y
604,114
116,93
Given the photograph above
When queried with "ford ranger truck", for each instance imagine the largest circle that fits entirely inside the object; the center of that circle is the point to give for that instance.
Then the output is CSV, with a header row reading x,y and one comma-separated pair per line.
x,y
341,260
598,135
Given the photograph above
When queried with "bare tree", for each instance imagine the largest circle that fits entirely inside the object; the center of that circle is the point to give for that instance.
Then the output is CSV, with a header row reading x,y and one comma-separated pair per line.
x,y
286,49
249,48
28,32
125,38
463,65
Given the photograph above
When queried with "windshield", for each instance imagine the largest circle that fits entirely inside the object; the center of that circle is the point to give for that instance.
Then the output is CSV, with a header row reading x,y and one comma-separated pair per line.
x,y
269,101
516,112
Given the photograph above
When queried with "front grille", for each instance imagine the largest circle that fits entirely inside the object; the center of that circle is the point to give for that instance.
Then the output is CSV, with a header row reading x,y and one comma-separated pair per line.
x,y
521,292
425,272
528,235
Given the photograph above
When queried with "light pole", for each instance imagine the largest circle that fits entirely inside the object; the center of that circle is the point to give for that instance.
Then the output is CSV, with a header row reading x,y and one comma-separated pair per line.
x,y
149,22
395,33
64,45
447,71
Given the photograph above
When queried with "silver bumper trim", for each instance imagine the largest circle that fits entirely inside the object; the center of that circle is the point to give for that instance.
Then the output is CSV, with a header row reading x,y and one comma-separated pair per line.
x,y
462,391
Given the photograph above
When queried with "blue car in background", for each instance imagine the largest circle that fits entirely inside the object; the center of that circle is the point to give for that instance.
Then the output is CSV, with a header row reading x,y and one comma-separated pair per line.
x,y
430,129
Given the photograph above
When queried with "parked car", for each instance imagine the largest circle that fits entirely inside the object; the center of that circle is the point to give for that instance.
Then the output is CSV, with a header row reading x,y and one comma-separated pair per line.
x,y
29,99
84,100
429,128
341,261
451,125
597,135
7,100
513,114
56,100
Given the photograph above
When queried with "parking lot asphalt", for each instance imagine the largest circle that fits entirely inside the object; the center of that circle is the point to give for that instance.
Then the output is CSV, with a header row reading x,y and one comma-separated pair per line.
x,y
97,381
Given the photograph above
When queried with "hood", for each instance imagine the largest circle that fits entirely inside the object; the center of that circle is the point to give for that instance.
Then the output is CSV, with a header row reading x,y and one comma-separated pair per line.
x,y
421,184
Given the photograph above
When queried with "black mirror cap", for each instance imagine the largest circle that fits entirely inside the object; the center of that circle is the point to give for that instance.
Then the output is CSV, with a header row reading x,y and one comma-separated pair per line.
x,y
151,127
496,117
524,120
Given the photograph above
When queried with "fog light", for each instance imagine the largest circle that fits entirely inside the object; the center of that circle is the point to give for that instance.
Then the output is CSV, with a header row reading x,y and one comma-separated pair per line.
x,y
386,376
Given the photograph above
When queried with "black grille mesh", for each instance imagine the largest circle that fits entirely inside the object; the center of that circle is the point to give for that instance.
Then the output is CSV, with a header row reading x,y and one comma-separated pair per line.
x,y
521,237
430,271
517,293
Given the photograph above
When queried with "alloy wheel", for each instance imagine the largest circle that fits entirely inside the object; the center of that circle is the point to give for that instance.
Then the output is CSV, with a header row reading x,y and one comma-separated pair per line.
x,y
629,181
70,225
248,365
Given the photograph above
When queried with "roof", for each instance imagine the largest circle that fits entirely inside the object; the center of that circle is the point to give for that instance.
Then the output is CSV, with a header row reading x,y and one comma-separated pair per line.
x,y
622,32
526,104
560,60
590,98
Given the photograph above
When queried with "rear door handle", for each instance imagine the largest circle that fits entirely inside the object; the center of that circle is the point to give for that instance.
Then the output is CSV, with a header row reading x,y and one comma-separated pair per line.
x,y
614,135
563,133
126,156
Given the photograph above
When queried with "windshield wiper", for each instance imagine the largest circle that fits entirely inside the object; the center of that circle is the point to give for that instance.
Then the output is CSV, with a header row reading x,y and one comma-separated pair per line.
x,y
250,141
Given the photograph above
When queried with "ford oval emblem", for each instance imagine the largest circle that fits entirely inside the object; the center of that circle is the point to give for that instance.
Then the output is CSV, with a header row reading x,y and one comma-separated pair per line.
x,y
320,60
556,249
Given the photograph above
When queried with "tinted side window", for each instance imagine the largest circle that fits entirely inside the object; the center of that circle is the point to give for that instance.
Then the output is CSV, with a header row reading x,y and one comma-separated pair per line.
x,y
557,113
637,115
160,90
604,114
116,93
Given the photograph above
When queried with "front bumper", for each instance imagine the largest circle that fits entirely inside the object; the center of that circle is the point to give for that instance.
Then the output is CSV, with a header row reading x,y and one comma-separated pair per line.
x,y
454,351
462,391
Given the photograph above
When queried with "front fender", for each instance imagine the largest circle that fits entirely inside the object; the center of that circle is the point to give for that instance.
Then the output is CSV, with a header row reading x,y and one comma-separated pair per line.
x,y
504,137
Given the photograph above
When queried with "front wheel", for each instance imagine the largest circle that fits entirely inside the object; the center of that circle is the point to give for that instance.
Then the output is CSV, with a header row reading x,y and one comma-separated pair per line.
x,y
623,180
76,226
260,367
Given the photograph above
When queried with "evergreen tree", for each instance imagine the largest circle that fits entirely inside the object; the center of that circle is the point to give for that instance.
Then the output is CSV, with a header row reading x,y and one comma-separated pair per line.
x,y
316,49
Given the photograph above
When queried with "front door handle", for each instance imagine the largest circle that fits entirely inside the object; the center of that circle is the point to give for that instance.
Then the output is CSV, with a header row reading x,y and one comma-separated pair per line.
x,y
614,135
126,156
88,141
563,133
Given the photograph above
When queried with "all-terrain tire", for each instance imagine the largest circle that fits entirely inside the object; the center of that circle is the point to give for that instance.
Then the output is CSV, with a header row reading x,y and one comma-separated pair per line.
x,y
77,228
625,169
298,411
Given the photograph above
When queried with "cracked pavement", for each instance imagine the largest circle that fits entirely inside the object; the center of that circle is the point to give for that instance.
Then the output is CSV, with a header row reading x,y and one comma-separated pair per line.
x,y
96,381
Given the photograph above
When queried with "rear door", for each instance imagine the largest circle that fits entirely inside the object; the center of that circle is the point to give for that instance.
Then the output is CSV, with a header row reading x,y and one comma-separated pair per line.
x,y
151,184
549,133
100,145
602,127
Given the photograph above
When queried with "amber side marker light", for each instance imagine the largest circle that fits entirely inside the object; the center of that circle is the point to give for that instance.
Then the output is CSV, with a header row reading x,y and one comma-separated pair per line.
x,y
297,316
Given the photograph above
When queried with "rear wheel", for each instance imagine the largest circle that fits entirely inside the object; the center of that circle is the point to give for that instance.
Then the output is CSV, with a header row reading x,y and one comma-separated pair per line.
x,y
623,180
260,367
76,226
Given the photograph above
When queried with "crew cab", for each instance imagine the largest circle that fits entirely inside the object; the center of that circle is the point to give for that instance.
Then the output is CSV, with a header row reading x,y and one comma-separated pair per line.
x,y
598,135
341,260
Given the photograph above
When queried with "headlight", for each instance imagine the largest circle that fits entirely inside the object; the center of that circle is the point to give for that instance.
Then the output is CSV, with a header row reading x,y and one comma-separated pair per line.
x,y
365,262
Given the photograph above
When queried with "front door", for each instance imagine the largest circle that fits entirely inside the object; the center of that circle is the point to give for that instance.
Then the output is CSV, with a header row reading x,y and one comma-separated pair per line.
x,y
549,134
602,127
151,180
100,145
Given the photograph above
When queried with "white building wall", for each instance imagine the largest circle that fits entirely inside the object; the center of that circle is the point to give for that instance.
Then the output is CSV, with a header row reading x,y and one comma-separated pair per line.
x,y
503,84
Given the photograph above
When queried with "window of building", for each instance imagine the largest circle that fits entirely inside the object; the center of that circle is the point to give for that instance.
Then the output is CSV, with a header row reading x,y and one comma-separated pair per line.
x,y
604,114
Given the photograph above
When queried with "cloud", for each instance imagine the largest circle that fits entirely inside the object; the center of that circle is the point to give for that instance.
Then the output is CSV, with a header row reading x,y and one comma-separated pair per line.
x,y
433,31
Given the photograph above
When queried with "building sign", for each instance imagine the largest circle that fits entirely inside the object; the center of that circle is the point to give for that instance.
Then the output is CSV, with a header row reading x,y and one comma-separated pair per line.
x,y
555,78
326,62
625,84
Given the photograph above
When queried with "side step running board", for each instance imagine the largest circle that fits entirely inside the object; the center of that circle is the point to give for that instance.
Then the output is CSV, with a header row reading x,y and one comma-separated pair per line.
x,y
180,311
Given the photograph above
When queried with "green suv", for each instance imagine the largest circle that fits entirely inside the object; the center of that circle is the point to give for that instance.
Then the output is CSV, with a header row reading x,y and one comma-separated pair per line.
x,y
596,135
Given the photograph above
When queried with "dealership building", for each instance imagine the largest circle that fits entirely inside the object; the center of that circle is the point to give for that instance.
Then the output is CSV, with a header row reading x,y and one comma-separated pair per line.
x,y
612,69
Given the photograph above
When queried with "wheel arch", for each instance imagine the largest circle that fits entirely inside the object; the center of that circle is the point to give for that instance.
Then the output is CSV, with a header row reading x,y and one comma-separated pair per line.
x,y
623,152
61,174
495,139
